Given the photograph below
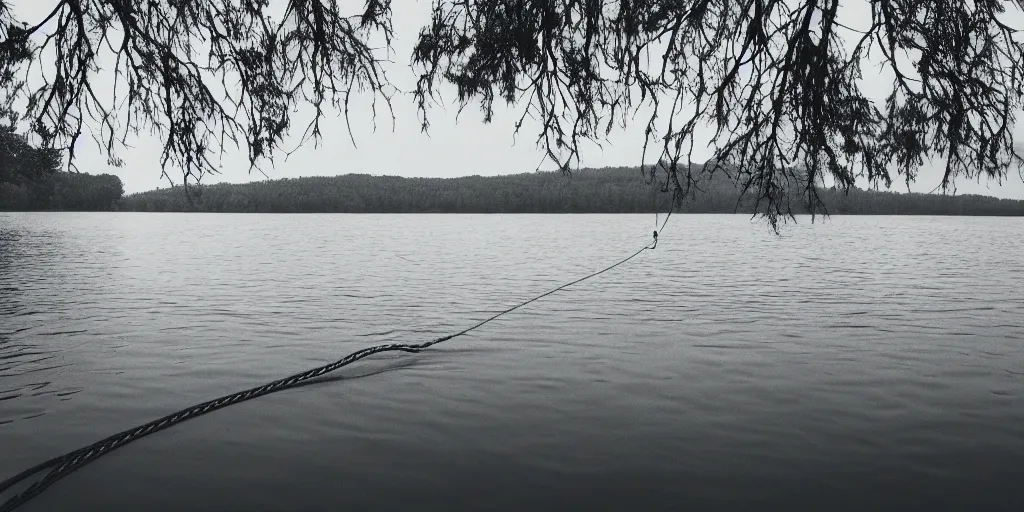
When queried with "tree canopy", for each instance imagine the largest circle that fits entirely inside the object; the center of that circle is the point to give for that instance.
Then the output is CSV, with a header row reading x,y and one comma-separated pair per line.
x,y
74,191
30,179
778,83
21,162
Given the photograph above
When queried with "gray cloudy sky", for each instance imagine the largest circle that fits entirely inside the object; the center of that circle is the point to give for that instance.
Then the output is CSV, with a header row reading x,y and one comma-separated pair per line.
x,y
455,146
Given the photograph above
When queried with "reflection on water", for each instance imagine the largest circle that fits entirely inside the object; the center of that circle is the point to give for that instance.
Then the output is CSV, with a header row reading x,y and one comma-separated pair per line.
x,y
863,363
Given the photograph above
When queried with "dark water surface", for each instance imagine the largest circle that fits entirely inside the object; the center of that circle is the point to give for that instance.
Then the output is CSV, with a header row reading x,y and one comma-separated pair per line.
x,y
867,363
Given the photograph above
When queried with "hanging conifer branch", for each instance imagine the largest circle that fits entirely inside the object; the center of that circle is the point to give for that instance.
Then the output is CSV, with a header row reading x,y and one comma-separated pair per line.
x,y
778,84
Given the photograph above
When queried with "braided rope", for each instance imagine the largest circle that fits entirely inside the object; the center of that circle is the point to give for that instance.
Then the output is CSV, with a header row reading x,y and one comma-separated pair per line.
x,y
64,465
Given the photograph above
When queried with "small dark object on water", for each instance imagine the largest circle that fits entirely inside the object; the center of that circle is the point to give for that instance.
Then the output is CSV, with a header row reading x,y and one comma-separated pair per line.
x,y
655,235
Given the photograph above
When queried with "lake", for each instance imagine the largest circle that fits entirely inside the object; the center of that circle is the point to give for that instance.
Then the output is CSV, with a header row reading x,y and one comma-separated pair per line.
x,y
856,363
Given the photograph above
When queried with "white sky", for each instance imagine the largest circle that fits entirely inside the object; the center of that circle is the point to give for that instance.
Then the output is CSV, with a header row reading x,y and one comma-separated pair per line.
x,y
454,147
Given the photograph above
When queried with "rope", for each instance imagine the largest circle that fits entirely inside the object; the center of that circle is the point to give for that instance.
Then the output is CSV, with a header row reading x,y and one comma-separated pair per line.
x,y
64,465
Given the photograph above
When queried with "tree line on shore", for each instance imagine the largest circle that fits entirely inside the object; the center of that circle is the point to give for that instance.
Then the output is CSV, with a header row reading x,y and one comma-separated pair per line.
x,y
64,191
607,190
31,179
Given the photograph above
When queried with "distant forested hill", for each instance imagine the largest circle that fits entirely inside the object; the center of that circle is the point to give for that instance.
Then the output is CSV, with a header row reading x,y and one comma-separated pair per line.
x,y
62,191
608,190
30,179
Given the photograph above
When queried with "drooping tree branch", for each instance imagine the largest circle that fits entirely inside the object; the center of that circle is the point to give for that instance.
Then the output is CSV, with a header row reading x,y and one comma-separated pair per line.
x,y
779,84
201,74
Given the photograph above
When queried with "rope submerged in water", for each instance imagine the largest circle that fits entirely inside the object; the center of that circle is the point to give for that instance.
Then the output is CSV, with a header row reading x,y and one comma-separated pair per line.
x,y
64,465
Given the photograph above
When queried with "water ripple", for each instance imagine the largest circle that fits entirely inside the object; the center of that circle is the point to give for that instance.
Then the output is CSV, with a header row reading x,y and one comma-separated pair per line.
x,y
846,361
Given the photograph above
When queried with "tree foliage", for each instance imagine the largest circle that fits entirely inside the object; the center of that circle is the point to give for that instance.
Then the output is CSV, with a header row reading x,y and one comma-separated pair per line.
x,y
20,161
30,179
73,191
778,83
199,73
609,190
775,80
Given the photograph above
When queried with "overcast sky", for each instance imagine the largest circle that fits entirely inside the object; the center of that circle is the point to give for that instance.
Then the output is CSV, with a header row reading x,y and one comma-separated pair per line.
x,y
455,146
